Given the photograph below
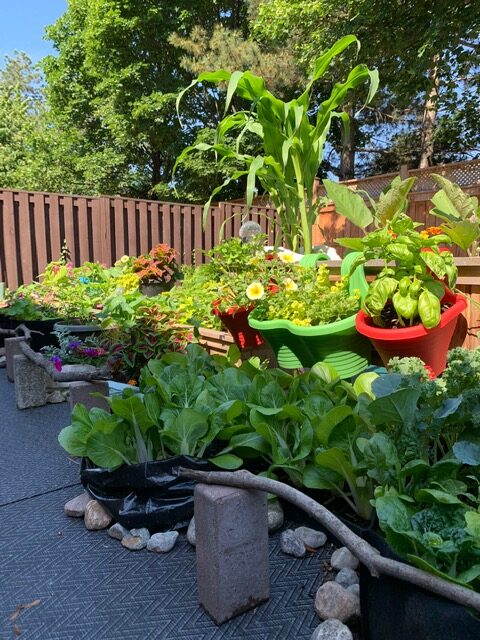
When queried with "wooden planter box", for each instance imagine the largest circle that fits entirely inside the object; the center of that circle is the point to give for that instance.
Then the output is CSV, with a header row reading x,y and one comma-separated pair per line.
x,y
219,342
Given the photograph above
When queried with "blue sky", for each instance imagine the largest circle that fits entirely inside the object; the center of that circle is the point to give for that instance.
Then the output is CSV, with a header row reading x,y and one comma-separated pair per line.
x,y
22,24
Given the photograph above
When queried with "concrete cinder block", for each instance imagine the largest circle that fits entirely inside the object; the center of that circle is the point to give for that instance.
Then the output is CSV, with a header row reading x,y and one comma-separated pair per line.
x,y
232,550
30,383
80,392
12,349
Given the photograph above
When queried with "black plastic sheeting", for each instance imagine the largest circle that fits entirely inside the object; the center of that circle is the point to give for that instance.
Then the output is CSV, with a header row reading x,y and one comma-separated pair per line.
x,y
396,610
145,495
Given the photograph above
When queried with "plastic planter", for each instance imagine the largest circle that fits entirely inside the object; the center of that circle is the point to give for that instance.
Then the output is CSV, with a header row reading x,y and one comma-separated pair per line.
x,y
337,343
430,345
237,324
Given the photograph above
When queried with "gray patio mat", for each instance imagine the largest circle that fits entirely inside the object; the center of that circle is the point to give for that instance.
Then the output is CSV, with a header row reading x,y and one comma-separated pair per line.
x,y
88,585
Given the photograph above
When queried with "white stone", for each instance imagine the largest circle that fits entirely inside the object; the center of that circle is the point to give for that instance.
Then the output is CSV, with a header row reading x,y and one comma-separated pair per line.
x,y
343,559
275,516
118,531
162,542
311,537
96,517
291,544
332,630
75,508
191,535
346,577
136,540
333,601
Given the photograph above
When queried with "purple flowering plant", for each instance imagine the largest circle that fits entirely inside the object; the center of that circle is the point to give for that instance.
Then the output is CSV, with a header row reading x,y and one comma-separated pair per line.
x,y
73,350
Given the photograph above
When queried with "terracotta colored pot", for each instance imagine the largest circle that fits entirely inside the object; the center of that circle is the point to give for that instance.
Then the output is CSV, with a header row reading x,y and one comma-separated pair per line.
x,y
237,324
430,345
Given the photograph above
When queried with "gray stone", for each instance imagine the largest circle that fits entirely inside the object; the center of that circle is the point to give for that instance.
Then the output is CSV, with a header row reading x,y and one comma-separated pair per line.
x,y
191,532
55,397
96,517
80,392
232,550
136,540
343,559
118,531
354,588
30,383
311,537
291,544
12,349
333,601
346,577
162,542
332,630
275,516
75,508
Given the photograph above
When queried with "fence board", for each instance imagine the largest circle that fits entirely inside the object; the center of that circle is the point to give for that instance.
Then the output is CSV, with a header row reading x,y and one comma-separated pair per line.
x,y
25,236
54,226
10,249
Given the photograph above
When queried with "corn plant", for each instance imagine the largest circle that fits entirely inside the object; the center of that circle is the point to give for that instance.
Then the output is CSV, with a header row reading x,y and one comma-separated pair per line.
x,y
292,144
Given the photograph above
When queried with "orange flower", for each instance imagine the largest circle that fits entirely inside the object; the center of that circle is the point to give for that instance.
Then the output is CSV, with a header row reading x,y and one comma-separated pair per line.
x,y
433,231
392,233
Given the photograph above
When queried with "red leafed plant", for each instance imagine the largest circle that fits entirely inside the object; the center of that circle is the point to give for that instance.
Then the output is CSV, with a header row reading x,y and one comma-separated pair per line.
x,y
159,265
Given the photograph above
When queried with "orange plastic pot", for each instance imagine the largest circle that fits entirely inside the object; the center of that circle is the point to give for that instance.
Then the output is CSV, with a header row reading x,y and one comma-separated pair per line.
x,y
430,345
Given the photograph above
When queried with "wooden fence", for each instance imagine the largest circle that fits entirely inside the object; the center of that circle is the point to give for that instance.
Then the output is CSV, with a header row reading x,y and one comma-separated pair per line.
x,y
34,226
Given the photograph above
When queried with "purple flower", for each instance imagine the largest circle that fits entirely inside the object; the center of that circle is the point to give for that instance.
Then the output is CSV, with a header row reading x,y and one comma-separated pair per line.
x,y
75,344
57,362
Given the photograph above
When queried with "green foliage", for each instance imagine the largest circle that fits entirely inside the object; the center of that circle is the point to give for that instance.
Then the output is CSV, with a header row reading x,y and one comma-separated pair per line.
x,y
413,287
292,146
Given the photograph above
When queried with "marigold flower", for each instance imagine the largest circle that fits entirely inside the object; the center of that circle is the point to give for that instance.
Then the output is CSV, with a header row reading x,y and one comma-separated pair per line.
x,y
286,257
290,285
255,291
433,231
132,382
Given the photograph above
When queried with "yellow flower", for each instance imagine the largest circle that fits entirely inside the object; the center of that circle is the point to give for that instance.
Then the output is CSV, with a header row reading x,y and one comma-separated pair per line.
x,y
255,291
286,257
290,285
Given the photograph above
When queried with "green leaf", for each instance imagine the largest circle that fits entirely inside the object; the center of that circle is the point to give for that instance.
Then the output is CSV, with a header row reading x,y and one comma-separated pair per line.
x,y
73,439
429,309
434,262
336,460
463,233
394,200
315,477
186,431
327,424
472,519
435,496
355,244
108,450
363,383
451,202
467,452
227,461
349,204
397,408
325,372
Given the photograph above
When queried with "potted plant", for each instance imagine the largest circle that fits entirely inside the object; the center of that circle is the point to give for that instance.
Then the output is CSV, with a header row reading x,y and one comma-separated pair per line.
x,y
306,320
409,308
291,144
157,270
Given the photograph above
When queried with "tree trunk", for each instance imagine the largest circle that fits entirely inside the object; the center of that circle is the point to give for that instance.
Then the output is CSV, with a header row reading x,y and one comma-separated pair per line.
x,y
348,142
429,118
156,168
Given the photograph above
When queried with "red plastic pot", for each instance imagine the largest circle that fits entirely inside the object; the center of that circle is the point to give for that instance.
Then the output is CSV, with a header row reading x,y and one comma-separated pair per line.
x,y
237,324
430,345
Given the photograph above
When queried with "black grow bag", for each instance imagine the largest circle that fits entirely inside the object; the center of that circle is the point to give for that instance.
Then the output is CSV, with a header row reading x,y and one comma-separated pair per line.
x,y
144,495
396,610
392,609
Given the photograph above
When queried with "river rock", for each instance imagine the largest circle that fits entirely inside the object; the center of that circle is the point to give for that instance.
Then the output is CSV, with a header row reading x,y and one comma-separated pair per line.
x,y
311,537
334,601
347,577
96,517
332,630
354,588
118,531
343,558
75,508
291,544
191,536
162,542
136,539
275,516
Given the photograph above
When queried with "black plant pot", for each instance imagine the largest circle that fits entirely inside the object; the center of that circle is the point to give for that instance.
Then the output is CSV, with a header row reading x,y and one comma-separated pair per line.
x,y
392,609
45,337
144,495
6,323
76,328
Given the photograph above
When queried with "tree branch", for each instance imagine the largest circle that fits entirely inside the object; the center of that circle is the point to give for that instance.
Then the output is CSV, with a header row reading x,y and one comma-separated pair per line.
x,y
368,555
80,374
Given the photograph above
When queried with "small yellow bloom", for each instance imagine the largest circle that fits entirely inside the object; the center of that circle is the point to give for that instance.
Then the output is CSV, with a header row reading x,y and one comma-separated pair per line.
x,y
255,291
286,257
132,382
290,285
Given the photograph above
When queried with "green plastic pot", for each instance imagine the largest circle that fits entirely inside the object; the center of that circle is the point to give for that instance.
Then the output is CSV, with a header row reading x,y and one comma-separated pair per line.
x,y
339,344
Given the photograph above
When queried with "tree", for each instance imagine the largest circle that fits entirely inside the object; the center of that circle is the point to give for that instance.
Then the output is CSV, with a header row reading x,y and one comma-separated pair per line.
x,y
426,53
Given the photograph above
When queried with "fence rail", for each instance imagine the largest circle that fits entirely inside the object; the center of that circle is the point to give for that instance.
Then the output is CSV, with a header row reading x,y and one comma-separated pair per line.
x,y
33,226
